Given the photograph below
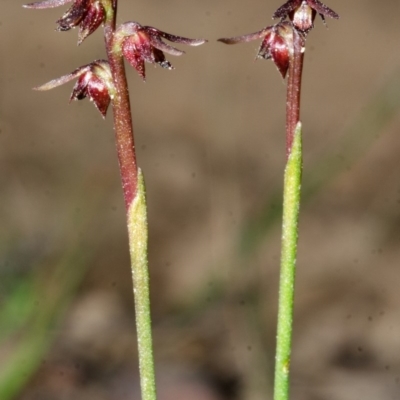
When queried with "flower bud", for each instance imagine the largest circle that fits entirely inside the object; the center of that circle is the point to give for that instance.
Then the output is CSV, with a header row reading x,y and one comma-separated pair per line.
x,y
140,44
277,44
303,17
94,81
302,13
137,49
87,14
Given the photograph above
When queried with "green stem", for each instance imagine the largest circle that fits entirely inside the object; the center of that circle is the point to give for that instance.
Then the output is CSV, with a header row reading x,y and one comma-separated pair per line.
x,y
291,207
138,239
135,202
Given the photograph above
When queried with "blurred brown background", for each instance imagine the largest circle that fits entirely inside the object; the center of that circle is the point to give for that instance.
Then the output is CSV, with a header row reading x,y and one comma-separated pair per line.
x,y
210,139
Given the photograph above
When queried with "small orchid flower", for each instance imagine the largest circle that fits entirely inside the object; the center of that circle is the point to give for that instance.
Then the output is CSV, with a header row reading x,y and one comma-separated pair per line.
x,y
302,13
87,14
94,81
277,44
140,44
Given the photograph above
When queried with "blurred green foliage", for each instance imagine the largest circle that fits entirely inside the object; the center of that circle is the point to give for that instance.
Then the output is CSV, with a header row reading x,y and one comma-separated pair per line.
x,y
29,313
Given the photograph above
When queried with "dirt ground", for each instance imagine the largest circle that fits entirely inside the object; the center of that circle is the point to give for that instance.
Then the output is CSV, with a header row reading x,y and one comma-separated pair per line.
x,y
210,140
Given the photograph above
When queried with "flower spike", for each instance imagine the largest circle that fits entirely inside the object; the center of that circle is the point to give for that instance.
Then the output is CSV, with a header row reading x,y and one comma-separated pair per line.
x,y
87,14
302,13
140,44
94,81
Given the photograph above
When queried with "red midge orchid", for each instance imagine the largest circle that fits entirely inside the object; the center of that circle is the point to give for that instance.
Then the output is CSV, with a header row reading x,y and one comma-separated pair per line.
x,y
94,81
140,44
277,44
87,14
302,13
285,44
104,82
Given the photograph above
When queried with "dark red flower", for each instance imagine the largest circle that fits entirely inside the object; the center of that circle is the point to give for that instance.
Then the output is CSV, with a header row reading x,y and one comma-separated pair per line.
x,y
302,13
277,44
87,14
140,44
94,81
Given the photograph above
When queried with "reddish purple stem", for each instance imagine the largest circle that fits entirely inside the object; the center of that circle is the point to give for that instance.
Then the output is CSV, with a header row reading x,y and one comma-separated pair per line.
x,y
122,117
294,90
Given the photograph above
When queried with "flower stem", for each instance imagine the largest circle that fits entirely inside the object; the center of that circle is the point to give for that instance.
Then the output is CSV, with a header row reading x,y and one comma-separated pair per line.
x,y
135,203
291,207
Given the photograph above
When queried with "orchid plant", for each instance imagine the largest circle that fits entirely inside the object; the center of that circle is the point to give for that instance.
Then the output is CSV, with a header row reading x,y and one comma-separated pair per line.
x,y
284,43
104,82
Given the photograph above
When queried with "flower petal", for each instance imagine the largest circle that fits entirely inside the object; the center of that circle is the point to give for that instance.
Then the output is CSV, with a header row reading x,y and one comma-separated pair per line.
x,y
63,79
174,38
98,94
91,21
286,8
74,16
79,90
159,44
303,18
135,58
322,9
246,38
280,55
46,4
